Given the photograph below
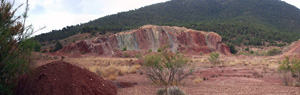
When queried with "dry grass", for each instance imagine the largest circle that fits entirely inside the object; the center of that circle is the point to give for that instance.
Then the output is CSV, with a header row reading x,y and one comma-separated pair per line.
x,y
106,67
198,80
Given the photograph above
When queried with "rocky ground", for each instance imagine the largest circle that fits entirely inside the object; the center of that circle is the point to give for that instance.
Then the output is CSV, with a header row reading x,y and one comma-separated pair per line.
x,y
234,75
231,78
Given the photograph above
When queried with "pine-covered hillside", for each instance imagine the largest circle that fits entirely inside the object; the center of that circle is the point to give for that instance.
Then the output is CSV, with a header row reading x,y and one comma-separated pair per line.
x,y
247,22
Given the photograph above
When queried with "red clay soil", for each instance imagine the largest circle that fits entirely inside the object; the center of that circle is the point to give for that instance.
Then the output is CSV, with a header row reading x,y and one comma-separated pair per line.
x,y
293,50
61,78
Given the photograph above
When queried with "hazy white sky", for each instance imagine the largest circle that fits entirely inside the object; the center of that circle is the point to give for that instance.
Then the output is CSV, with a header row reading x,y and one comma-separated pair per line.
x,y
56,14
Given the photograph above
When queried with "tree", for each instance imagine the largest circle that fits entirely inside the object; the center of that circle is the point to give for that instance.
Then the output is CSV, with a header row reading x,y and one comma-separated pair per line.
x,y
37,46
58,46
232,48
15,46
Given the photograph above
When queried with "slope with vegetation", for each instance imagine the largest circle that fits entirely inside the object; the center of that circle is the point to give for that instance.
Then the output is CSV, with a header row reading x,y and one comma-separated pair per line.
x,y
240,22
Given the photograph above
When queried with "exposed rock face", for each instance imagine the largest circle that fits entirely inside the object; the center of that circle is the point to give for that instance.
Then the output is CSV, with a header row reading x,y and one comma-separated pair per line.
x,y
152,37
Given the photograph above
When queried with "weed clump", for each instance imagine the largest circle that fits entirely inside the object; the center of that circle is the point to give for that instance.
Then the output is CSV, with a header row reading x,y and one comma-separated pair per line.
x,y
274,51
214,58
124,49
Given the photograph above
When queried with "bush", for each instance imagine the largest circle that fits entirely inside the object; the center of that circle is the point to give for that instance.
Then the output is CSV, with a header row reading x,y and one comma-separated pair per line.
x,y
159,50
124,49
37,46
214,58
232,48
289,69
201,53
15,47
58,46
247,49
150,50
166,68
274,51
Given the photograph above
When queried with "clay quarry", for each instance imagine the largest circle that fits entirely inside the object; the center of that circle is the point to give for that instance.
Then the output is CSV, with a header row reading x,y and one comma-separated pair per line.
x,y
112,65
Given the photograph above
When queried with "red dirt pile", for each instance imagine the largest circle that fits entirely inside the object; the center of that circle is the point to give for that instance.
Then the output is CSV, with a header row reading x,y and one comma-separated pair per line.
x,y
61,78
151,37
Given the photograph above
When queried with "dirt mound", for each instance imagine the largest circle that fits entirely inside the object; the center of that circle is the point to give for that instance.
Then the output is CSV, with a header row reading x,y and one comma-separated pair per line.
x,y
61,78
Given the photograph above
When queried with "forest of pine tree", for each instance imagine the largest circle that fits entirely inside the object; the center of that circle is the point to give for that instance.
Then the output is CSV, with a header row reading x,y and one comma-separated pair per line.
x,y
239,22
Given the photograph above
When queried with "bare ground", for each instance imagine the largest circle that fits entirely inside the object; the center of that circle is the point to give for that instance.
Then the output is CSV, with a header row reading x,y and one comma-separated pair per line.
x,y
234,75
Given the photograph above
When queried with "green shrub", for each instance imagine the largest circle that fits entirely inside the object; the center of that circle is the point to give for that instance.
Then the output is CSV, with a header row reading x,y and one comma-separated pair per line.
x,y
251,52
214,58
58,46
247,49
159,50
150,50
37,46
274,51
232,48
201,53
165,68
15,47
124,49
289,68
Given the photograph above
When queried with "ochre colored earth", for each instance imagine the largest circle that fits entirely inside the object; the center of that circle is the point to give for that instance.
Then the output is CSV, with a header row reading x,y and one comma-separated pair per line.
x,y
61,78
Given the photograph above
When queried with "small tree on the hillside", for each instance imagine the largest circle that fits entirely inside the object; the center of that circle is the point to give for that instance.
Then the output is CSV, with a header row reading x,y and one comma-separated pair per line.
x,y
232,48
166,68
15,46
58,46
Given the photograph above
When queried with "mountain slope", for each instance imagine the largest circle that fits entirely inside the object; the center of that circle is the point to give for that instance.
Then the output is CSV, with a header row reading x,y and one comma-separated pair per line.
x,y
248,22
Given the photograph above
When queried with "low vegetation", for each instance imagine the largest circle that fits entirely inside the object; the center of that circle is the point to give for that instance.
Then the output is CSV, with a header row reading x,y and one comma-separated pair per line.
x,y
124,49
165,68
214,58
15,46
112,71
289,70
274,51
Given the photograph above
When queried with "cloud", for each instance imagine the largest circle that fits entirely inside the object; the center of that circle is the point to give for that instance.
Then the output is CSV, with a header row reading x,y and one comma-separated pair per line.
x,y
56,14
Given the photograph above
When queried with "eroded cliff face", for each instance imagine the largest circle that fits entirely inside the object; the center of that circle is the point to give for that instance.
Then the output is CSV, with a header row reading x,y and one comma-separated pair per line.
x,y
152,37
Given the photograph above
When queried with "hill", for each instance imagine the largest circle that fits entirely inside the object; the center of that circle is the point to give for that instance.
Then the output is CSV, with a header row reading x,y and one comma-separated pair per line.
x,y
149,38
240,22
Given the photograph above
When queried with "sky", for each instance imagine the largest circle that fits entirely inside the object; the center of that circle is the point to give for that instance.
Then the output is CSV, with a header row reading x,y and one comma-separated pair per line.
x,y
56,14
